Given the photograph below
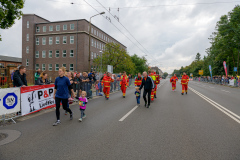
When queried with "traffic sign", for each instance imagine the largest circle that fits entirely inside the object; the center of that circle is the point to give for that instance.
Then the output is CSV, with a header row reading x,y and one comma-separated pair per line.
x,y
200,72
235,69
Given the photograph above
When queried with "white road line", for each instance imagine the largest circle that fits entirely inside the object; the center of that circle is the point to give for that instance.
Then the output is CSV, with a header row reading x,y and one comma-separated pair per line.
x,y
218,106
225,91
126,115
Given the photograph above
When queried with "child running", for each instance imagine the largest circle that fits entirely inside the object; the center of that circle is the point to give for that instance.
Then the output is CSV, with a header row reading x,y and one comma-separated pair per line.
x,y
137,93
82,103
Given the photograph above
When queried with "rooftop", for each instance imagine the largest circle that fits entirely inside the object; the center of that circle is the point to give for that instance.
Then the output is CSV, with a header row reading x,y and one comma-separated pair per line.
x,y
10,59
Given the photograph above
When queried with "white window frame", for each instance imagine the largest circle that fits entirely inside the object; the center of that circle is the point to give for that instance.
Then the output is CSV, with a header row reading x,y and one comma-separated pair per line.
x,y
50,41
43,67
37,54
64,65
71,68
64,39
50,67
50,28
37,29
91,55
50,53
44,29
27,24
27,49
95,44
57,40
37,41
43,54
36,67
27,62
44,41
92,43
56,68
65,27
57,53
72,53
57,27
27,38
72,26
71,39
64,53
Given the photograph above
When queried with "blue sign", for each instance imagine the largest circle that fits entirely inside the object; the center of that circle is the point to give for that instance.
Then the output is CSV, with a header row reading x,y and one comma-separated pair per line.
x,y
10,100
235,69
210,70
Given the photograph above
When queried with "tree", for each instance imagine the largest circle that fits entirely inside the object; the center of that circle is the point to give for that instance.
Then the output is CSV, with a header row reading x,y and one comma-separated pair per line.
x,y
140,64
165,74
198,57
9,12
117,57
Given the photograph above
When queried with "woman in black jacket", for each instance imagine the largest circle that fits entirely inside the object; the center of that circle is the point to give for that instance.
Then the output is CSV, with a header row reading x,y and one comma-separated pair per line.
x,y
42,80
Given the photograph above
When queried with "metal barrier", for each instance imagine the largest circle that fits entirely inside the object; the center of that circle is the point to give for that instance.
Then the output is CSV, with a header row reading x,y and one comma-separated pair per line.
x,y
218,80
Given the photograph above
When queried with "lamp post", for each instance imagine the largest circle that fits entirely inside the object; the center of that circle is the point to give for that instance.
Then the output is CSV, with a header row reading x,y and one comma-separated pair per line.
x,y
89,56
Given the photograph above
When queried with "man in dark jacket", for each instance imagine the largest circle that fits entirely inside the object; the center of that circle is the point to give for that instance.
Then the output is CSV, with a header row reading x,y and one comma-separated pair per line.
x,y
19,77
148,84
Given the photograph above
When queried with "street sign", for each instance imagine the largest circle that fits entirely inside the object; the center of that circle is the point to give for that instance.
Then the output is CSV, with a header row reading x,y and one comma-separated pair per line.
x,y
235,69
191,74
200,72
110,68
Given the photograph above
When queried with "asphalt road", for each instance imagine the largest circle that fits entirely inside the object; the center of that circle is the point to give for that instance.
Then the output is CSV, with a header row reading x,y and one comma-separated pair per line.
x,y
189,127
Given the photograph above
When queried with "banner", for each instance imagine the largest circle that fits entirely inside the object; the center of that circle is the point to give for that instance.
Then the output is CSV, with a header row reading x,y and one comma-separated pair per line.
x,y
231,82
35,98
210,70
9,100
225,67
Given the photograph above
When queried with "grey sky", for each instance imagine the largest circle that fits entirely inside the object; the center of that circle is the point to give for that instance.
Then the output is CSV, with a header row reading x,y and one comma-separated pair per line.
x,y
172,34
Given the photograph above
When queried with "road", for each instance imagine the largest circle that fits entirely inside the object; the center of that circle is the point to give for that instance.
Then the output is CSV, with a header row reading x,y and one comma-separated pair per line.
x,y
175,127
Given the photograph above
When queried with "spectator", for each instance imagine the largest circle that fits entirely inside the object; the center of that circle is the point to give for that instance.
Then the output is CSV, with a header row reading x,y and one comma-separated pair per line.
x,y
97,76
85,83
118,79
78,83
97,88
37,75
42,80
19,77
12,75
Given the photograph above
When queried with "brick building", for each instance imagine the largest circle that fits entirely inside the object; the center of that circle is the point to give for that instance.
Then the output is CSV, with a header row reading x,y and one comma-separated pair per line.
x,y
51,45
10,61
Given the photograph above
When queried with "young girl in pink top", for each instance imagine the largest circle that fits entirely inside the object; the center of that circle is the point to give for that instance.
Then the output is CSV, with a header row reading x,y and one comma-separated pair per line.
x,y
82,103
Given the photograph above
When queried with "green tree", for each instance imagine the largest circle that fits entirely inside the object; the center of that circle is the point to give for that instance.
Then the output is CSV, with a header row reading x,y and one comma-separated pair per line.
x,y
117,57
198,57
140,64
165,74
9,12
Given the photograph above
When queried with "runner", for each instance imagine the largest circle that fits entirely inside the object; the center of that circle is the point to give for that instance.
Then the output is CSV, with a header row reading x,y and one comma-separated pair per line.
x,y
184,82
61,93
152,75
174,80
106,82
148,84
124,83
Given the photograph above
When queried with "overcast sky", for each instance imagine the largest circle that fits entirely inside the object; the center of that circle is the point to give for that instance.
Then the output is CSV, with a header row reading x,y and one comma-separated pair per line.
x,y
170,33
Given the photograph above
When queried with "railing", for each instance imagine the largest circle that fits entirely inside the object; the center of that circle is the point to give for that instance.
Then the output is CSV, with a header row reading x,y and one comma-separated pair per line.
x,y
219,80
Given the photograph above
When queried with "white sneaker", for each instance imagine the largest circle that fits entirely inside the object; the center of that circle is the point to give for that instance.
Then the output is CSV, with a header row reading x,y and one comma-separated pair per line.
x,y
56,123
80,119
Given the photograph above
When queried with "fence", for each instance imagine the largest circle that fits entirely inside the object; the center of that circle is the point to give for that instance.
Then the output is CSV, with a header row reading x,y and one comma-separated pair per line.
x,y
219,80
5,76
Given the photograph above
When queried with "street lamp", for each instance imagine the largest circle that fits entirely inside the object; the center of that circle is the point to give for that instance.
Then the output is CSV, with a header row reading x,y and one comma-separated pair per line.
x,y
89,56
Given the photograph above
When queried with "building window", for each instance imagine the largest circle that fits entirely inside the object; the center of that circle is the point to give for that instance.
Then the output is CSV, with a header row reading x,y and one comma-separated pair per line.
x,y
72,26
50,67
65,27
92,42
50,28
44,41
27,62
36,67
37,54
64,39
50,54
27,49
71,53
102,36
71,39
64,54
95,55
44,28
57,27
37,29
71,67
43,54
37,41
64,65
56,67
57,40
95,44
27,37
27,24
97,33
57,54
43,67
50,40
91,55
94,31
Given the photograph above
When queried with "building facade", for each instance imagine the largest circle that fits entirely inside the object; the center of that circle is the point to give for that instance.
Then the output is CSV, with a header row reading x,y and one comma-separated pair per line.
x,y
10,61
156,69
51,45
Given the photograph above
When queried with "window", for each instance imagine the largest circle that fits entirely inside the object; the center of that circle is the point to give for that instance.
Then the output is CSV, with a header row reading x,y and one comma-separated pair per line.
x,y
64,39
64,54
27,49
91,55
27,62
71,67
71,39
57,40
37,41
50,28
57,53
64,65
37,54
44,28
37,29
72,26
44,41
36,66
43,54
102,36
27,37
50,40
50,67
95,44
92,42
50,54
27,24
71,53
97,33
57,27
94,31
64,27
95,55
56,67
43,67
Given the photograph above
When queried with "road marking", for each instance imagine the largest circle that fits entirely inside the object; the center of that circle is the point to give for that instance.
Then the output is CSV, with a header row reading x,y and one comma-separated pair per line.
x,y
126,115
225,91
218,106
